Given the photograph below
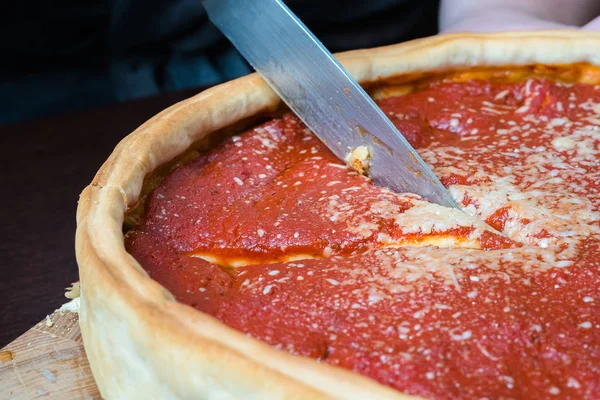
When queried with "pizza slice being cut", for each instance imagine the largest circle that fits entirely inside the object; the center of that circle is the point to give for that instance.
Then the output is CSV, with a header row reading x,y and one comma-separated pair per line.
x,y
272,204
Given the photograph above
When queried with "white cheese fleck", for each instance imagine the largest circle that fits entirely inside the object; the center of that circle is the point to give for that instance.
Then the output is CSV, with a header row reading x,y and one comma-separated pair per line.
x,y
573,383
563,143
585,325
554,390
461,336
267,289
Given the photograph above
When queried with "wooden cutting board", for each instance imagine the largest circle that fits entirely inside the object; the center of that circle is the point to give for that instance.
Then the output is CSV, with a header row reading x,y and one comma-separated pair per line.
x,y
48,361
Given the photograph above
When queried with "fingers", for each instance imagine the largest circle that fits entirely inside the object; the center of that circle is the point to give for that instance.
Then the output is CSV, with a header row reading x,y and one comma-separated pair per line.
x,y
593,25
499,22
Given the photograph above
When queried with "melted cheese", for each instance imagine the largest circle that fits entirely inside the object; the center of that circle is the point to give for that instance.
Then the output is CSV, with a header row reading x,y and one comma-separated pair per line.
x,y
235,262
359,159
424,224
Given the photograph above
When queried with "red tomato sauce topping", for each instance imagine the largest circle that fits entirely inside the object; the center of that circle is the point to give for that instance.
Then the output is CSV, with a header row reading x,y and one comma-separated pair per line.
x,y
318,262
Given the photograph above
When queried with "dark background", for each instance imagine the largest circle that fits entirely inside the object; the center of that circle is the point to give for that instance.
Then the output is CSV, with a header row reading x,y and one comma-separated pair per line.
x,y
77,77
46,164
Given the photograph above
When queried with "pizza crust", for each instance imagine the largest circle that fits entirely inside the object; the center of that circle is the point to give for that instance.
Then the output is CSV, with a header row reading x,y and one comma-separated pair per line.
x,y
140,342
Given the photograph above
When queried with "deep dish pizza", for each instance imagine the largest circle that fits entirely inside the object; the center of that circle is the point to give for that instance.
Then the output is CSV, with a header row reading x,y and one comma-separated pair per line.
x,y
298,263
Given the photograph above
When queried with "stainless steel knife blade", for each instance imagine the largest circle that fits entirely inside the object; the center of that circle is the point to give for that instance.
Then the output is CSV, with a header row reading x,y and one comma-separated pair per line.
x,y
322,93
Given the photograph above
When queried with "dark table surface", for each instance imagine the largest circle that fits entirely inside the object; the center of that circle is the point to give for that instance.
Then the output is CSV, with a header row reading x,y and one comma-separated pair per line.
x,y
46,165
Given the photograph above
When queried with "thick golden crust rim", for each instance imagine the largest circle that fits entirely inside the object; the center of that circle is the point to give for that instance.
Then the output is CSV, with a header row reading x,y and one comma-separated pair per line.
x,y
140,342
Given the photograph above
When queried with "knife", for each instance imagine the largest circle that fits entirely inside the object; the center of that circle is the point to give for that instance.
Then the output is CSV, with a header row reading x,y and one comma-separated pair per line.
x,y
321,92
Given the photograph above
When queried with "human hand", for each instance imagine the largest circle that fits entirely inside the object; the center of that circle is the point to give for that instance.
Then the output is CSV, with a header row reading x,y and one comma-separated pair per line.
x,y
511,15
593,25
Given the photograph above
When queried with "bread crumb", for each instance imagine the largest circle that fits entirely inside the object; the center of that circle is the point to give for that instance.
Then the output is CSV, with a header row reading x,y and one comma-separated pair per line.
x,y
72,306
49,322
73,291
